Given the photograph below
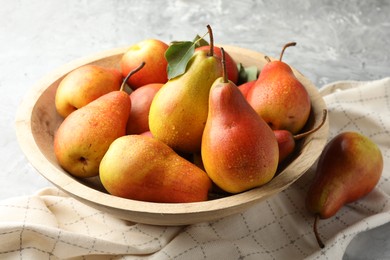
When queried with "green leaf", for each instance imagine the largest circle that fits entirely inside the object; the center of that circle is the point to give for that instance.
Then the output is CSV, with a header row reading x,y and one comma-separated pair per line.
x,y
246,74
177,55
200,41
241,74
251,72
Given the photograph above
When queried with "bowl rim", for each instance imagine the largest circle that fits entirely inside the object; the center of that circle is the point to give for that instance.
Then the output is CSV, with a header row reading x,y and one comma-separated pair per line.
x,y
229,204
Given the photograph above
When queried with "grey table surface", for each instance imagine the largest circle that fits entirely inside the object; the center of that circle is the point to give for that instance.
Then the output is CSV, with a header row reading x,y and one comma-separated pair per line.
x,y
337,40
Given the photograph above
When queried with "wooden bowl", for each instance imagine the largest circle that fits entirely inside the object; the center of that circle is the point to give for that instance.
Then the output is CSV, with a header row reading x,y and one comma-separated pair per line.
x,y
37,121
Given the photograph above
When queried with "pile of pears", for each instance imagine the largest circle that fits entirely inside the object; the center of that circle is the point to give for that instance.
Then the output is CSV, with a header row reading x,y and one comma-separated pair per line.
x,y
168,131
164,137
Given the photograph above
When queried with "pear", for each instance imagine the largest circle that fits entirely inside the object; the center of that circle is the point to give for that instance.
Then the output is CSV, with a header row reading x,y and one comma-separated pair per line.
x,y
349,168
239,150
279,97
287,141
178,111
231,65
245,87
85,135
150,51
83,85
142,168
141,99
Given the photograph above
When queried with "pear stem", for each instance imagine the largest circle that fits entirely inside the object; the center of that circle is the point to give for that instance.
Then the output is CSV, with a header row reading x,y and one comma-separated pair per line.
x,y
130,74
211,51
317,235
284,48
302,135
224,72
267,58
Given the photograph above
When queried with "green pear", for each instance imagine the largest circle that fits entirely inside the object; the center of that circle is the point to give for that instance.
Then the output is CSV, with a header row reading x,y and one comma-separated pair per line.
x,y
239,150
349,168
178,111
142,168
279,97
83,85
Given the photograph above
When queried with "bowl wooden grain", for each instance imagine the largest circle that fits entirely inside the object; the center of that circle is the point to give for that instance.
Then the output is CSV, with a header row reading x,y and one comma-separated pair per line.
x,y
37,121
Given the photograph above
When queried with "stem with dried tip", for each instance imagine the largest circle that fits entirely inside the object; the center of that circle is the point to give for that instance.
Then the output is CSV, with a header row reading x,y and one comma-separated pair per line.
x,y
286,46
300,136
317,235
130,74
211,51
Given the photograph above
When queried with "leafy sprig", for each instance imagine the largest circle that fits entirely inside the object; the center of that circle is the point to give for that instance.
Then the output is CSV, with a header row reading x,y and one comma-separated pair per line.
x,y
179,54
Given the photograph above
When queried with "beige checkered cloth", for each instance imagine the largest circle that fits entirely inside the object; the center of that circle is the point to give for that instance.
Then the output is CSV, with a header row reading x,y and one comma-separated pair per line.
x,y
51,225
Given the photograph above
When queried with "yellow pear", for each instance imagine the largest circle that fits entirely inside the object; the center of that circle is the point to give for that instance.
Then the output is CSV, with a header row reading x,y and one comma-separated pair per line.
x,y
142,168
178,111
83,85
85,135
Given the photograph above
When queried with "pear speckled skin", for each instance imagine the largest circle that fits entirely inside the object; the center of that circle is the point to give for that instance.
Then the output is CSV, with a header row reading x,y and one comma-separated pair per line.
x,y
279,98
142,168
239,150
84,136
178,112
349,167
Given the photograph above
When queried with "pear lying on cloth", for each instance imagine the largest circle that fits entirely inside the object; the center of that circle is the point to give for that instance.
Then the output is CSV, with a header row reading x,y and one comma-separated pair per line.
x,y
349,167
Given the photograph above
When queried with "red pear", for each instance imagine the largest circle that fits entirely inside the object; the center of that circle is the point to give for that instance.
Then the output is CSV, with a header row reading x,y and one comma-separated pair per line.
x,y
239,150
349,168
152,53
245,87
141,99
279,97
287,141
